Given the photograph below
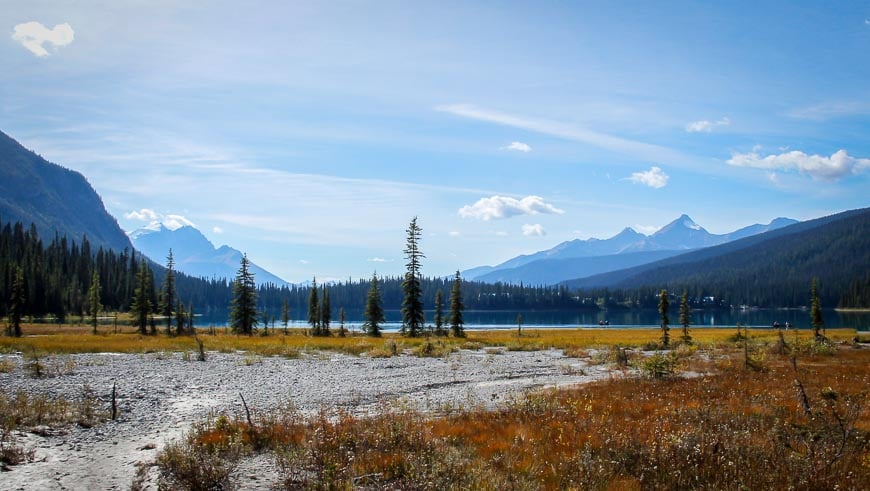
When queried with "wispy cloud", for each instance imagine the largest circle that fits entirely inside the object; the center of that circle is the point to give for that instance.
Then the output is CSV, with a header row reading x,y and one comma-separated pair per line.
x,y
568,132
496,207
706,126
655,177
143,215
518,147
33,35
217,230
454,233
830,110
836,166
535,230
379,260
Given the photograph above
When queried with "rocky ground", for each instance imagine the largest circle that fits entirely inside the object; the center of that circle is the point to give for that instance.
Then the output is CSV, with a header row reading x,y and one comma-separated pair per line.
x,y
160,395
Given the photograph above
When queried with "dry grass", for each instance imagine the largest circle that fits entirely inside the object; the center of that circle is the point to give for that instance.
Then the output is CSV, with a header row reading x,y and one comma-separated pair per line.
x,y
734,428
78,339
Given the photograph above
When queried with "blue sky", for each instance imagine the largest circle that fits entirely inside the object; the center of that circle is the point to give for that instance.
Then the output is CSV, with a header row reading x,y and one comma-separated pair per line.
x,y
307,134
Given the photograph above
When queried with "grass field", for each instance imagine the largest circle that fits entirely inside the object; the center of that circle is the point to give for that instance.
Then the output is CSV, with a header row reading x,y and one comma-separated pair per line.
x,y
54,339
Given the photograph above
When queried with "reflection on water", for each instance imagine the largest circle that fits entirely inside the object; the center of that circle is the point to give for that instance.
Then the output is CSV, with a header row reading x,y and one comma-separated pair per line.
x,y
565,318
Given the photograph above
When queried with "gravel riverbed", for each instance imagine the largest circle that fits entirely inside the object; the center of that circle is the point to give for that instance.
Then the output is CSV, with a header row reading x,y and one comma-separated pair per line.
x,y
160,395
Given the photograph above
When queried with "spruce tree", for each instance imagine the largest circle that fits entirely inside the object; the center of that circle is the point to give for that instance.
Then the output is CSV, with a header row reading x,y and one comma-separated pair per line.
x,y
94,305
664,305
374,313
190,318
180,318
168,292
816,311
141,306
325,311
285,314
685,317
456,308
413,317
314,309
243,312
439,314
16,303
341,319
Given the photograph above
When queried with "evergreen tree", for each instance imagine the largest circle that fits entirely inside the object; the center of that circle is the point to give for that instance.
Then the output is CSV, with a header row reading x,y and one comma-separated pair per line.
x,y
685,317
94,305
325,312
190,318
285,314
180,318
168,292
374,313
519,324
439,314
413,316
16,303
265,319
341,319
664,305
243,313
141,307
456,308
314,309
816,310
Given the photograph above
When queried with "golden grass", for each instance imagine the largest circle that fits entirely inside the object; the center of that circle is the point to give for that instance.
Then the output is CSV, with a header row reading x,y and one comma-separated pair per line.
x,y
79,339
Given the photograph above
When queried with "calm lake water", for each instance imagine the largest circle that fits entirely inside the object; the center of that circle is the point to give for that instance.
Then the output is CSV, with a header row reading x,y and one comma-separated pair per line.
x,y
564,318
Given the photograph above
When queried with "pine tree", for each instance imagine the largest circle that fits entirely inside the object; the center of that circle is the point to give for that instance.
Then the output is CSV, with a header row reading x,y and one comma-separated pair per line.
x,y
314,309
16,303
141,307
94,305
168,292
413,317
664,305
374,313
519,324
180,318
341,319
456,308
190,318
325,311
243,313
439,314
685,317
816,310
285,314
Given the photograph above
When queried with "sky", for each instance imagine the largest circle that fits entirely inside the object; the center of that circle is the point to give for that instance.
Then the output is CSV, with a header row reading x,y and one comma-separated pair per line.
x,y
308,134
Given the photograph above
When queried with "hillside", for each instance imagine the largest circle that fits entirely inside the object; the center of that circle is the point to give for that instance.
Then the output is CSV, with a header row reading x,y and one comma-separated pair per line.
x,y
55,199
771,269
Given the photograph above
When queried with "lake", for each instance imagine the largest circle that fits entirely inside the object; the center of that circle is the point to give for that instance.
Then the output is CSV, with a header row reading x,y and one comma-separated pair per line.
x,y
507,319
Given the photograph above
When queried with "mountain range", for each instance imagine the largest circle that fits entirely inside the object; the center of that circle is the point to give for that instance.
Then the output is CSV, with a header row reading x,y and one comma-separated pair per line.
x,y
194,254
580,258
54,199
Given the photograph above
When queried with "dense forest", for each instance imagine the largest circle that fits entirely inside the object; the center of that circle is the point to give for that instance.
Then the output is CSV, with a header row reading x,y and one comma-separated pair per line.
x,y
57,277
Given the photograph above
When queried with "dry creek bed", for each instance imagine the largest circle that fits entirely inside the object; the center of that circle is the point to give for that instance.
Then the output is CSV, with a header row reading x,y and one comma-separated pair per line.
x,y
159,396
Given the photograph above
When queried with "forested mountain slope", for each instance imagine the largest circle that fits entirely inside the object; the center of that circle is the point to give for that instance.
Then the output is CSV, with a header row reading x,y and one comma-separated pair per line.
x,y
770,269
55,199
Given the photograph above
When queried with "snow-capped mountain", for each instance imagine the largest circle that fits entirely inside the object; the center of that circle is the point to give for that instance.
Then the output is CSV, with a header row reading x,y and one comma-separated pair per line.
x,y
622,250
194,254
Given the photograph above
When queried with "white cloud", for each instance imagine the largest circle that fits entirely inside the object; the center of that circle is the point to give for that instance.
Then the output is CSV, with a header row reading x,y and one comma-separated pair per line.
x,y
518,147
706,126
32,35
379,260
834,167
535,230
172,222
144,215
501,233
654,178
175,222
217,230
830,110
304,261
453,233
505,207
